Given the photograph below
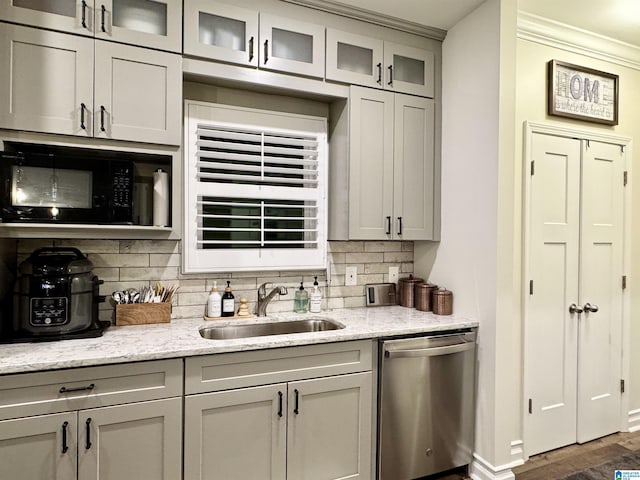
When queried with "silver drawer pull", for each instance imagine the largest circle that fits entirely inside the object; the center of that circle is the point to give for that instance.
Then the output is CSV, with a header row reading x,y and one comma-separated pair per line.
x,y
77,389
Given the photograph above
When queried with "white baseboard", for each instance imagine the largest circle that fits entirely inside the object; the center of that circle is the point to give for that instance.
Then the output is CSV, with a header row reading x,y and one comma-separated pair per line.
x,y
517,453
480,469
634,420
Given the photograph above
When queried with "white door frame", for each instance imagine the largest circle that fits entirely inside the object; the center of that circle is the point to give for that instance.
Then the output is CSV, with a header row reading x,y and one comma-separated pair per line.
x,y
530,128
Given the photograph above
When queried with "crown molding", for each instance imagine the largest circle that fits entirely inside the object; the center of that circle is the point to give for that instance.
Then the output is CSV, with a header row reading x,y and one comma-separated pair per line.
x,y
364,15
566,37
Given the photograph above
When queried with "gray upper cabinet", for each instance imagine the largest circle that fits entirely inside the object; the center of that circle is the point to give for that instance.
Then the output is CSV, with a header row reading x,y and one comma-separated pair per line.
x,y
291,46
223,32
391,167
241,36
371,62
355,59
48,86
149,23
73,16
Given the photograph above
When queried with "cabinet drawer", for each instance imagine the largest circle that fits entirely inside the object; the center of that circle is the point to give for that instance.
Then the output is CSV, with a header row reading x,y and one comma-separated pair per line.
x,y
242,369
75,389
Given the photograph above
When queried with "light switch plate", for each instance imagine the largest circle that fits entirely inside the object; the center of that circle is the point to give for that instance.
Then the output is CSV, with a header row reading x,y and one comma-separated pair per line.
x,y
393,274
351,276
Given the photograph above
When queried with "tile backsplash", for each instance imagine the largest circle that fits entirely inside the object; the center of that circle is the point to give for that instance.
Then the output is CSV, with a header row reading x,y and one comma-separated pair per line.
x,y
123,264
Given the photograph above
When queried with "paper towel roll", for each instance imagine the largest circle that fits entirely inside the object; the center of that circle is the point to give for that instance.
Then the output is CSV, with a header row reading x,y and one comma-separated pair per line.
x,y
160,198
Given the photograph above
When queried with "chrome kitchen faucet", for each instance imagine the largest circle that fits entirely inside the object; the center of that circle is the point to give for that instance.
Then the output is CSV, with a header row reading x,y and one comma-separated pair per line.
x,y
264,298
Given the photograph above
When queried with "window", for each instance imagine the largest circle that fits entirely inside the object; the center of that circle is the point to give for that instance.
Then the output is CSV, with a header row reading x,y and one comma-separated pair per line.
x,y
255,193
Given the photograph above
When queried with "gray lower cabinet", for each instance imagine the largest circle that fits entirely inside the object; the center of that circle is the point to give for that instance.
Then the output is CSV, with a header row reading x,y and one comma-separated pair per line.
x,y
298,428
123,440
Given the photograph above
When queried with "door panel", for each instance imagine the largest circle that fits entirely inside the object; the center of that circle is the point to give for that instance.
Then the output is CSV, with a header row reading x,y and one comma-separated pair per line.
x,y
599,374
32,448
573,361
151,114
223,429
329,428
131,442
413,168
46,80
550,330
371,164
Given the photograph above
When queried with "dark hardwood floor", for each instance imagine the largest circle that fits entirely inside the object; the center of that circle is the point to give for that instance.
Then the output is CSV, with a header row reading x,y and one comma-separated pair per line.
x,y
559,463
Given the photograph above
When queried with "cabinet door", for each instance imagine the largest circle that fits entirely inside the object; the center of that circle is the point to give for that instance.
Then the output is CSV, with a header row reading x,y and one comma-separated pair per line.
x,y
131,442
329,428
148,23
74,16
46,83
413,168
39,448
291,46
236,434
408,70
138,94
370,164
221,32
354,59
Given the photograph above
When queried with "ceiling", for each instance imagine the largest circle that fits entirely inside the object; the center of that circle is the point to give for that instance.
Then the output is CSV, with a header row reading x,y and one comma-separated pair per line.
x,y
617,19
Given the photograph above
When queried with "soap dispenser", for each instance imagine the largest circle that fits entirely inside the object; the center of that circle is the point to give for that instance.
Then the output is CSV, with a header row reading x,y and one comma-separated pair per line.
x,y
228,302
214,303
315,299
301,300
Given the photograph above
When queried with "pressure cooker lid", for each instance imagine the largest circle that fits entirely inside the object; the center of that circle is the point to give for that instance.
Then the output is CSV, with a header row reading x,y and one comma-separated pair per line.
x,y
56,261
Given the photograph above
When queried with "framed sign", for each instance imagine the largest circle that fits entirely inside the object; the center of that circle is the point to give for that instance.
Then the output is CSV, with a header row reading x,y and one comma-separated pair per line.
x,y
582,93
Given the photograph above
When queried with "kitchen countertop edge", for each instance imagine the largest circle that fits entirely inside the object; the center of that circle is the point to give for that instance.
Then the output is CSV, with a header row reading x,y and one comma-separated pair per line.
x,y
180,338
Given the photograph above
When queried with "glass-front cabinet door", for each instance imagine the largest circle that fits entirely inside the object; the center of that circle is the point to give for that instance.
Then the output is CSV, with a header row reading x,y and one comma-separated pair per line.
x,y
354,59
291,46
408,69
220,31
75,16
147,23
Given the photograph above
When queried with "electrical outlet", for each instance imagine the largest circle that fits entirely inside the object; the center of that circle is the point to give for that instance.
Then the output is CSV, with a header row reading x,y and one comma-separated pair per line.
x,y
351,276
393,274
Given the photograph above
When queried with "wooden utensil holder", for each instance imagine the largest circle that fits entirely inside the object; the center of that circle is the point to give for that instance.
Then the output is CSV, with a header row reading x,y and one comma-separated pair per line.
x,y
143,313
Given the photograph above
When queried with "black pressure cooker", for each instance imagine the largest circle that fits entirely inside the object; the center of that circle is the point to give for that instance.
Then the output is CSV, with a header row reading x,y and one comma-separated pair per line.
x,y
56,293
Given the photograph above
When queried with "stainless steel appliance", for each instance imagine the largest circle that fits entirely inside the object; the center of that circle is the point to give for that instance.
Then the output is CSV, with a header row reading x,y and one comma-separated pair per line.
x,y
426,404
56,294
48,184
380,294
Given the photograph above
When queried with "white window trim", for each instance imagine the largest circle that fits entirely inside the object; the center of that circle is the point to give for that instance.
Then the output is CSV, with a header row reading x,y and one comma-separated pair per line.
x,y
196,260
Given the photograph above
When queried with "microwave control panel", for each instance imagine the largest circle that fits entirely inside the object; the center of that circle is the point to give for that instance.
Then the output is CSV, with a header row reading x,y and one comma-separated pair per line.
x,y
122,192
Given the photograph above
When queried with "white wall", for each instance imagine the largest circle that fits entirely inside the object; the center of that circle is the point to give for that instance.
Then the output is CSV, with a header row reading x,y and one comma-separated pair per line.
x,y
475,257
531,106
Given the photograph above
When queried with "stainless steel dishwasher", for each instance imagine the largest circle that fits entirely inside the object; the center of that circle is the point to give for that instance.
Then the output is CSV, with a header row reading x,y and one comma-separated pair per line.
x,y
426,404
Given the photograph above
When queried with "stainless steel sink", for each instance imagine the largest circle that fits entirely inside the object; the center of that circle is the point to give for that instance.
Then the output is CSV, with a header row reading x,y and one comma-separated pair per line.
x,y
312,324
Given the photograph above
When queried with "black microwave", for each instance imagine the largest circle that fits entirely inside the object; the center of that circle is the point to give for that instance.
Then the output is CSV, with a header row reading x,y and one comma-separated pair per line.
x,y
65,186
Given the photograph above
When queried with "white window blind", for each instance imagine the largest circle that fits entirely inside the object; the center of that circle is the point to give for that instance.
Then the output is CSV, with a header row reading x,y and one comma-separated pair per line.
x,y
256,194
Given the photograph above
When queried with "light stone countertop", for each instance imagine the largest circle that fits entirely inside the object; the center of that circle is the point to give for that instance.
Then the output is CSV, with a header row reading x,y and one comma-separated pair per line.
x,y
181,338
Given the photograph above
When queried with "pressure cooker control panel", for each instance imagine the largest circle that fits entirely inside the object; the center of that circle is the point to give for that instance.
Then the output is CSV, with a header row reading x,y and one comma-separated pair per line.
x,y
48,311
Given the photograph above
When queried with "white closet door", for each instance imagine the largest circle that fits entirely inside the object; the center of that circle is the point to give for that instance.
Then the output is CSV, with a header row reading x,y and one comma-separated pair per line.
x,y
573,359
551,332
599,367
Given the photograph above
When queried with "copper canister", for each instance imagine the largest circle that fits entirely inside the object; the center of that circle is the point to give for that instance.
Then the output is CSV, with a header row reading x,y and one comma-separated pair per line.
x,y
406,290
423,292
442,301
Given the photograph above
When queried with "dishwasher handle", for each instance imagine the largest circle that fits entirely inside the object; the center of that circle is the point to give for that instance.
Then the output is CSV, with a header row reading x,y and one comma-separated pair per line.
x,y
429,351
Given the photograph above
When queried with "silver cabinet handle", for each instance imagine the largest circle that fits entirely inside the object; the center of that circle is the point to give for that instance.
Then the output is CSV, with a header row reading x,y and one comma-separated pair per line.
x,y
573,308
591,308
